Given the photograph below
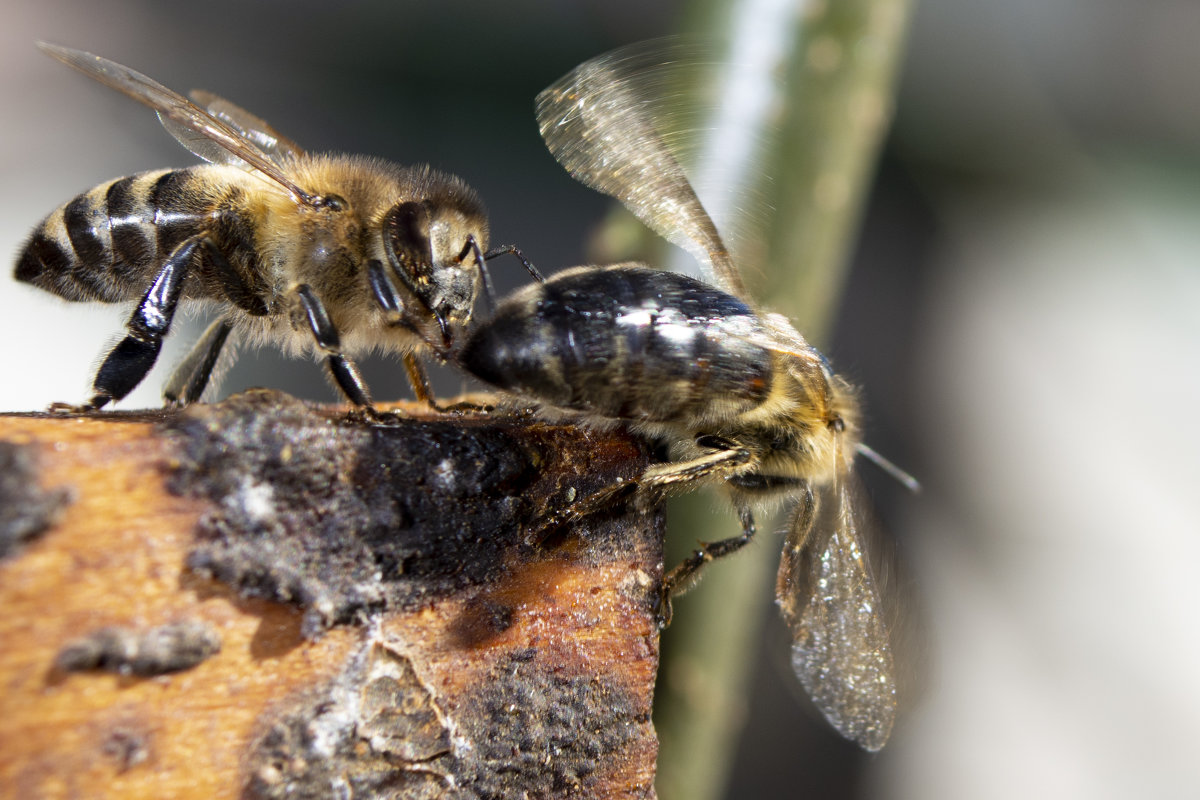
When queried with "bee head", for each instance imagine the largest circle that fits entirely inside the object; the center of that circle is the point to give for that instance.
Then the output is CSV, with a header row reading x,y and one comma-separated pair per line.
x,y
435,251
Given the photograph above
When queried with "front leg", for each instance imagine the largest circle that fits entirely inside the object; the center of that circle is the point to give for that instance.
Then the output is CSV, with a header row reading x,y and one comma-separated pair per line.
x,y
387,297
343,371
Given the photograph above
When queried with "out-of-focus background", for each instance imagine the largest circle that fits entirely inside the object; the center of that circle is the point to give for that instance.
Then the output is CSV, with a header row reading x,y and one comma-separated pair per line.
x,y
1023,311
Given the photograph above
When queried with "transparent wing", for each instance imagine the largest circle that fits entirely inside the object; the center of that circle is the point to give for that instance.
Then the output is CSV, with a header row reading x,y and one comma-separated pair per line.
x,y
832,598
776,333
254,129
595,121
196,129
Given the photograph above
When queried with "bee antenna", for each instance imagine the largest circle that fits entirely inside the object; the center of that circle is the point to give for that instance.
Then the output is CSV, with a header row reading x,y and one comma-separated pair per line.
x,y
513,250
489,291
906,480
447,337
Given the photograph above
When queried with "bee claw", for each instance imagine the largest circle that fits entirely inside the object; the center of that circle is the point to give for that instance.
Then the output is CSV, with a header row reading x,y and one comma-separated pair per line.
x,y
663,610
95,404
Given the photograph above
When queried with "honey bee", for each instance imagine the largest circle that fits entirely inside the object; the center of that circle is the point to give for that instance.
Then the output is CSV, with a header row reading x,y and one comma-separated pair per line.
x,y
329,254
738,397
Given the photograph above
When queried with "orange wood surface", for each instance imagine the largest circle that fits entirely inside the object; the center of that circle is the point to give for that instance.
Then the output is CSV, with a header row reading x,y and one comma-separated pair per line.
x,y
116,556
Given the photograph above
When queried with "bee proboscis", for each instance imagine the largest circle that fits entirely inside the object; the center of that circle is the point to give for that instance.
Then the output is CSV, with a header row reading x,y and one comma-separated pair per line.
x,y
329,254
740,399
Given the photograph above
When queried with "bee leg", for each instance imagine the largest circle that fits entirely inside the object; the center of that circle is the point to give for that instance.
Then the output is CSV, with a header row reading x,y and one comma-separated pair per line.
x,y
389,300
345,374
726,459
127,364
571,513
419,380
659,476
385,293
663,476
793,568
424,392
191,377
684,576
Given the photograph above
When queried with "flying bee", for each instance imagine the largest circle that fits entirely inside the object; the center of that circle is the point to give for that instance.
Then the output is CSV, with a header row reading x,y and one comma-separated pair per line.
x,y
329,254
737,396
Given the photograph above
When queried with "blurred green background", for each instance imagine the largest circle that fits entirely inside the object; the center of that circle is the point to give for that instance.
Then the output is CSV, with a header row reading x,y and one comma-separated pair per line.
x,y
1021,308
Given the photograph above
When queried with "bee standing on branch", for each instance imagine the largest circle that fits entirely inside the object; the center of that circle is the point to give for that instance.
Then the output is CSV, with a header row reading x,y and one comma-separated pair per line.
x,y
738,396
334,255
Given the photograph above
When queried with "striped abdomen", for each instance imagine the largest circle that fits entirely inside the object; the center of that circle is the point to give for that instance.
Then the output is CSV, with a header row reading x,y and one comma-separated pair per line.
x,y
628,343
108,243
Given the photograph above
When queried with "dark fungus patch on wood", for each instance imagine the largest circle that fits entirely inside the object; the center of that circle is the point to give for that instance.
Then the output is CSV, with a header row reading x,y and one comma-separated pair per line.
x,y
26,508
538,731
377,730
160,650
345,516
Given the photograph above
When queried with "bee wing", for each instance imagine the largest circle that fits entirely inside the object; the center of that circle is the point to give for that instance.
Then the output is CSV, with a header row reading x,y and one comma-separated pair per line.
x,y
776,333
831,596
194,128
596,124
254,129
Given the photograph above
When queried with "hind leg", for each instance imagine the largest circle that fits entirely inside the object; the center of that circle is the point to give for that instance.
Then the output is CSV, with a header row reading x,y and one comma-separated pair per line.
x,y
192,376
127,364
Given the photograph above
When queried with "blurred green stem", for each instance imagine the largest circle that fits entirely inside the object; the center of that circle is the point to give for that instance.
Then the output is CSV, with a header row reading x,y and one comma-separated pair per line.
x,y
839,103
821,142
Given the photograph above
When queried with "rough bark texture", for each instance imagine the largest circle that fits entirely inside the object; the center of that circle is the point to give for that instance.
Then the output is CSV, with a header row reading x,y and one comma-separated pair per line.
x,y
264,598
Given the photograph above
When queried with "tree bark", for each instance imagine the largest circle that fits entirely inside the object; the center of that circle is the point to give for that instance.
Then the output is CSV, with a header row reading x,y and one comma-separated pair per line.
x,y
266,598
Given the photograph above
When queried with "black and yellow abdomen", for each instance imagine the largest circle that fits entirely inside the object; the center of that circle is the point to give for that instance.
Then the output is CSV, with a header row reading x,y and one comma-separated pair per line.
x,y
107,244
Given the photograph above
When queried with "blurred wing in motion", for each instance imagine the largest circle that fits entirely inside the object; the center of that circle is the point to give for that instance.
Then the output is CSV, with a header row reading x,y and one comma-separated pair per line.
x,y
832,599
198,130
596,123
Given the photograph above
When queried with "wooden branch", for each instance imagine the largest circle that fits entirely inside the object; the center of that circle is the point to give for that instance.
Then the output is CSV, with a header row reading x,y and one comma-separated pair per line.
x,y
264,598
